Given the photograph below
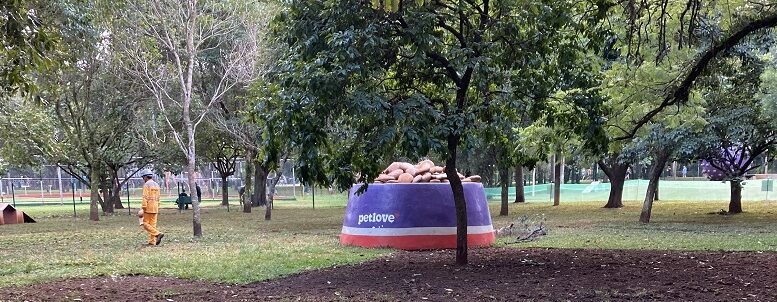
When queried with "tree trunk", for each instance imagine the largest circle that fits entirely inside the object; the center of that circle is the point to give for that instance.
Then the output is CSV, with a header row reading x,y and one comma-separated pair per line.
x,y
116,191
652,189
735,205
249,184
458,198
504,180
94,196
260,186
616,172
191,158
556,180
268,208
563,169
116,199
106,201
224,191
674,170
190,149
519,197
271,195
196,218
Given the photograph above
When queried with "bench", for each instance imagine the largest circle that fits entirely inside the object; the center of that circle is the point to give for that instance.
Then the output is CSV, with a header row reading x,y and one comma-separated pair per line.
x,y
182,201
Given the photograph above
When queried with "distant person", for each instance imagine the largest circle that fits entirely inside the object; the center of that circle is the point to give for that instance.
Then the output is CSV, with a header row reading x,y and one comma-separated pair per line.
x,y
182,197
199,193
150,207
685,171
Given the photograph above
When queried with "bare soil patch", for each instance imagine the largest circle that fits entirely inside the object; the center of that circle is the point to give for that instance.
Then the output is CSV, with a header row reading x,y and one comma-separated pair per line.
x,y
495,274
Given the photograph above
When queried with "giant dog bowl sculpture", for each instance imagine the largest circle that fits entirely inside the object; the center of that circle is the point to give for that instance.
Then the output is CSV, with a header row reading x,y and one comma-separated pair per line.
x,y
414,216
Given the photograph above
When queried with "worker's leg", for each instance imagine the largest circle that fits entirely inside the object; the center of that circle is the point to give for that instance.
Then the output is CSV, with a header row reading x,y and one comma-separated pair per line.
x,y
149,223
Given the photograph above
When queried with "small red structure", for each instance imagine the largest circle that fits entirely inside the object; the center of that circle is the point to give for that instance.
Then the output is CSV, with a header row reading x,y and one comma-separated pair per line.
x,y
10,215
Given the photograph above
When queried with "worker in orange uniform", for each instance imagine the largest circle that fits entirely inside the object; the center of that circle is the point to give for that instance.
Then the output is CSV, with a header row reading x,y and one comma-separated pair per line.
x,y
150,207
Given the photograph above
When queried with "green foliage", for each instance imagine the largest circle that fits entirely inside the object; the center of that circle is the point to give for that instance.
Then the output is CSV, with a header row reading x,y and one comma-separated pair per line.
x,y
740,123
767,92
360,91
28,131
654,45
27,39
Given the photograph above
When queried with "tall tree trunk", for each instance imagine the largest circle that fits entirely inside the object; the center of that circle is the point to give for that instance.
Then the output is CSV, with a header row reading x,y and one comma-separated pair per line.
x,y
652,190
224,190
116,191
268,208
116,198
655,194
191,157
191,165
94,196
260,186
105,201
556,180
196,218
735,205
504,180
519,195
563,169
459,201
271,195
616,172
117,203
674,170
249,184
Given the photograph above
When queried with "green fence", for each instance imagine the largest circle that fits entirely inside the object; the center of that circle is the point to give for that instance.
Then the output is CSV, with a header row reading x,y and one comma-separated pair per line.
x,y
761,189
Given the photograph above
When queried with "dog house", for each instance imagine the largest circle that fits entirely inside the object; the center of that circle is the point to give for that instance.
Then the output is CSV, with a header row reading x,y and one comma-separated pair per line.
x,y
414,216
10,215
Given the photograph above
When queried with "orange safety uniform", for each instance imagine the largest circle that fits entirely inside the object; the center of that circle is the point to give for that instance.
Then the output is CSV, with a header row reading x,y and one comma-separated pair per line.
x,y
150,207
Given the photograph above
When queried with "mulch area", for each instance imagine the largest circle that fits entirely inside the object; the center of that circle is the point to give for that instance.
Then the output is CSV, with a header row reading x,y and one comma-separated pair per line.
x,y
495,274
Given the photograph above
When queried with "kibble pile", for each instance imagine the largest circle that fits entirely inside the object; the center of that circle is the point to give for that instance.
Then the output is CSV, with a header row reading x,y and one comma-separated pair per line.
x,y
425,171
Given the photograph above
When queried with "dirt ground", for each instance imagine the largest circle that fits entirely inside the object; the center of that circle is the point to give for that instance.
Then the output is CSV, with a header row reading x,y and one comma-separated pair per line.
x,y
493,274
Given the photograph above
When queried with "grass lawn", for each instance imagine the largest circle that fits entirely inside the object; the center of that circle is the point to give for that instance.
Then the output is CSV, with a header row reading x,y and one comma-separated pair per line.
x,y
239,248
235,247
674,225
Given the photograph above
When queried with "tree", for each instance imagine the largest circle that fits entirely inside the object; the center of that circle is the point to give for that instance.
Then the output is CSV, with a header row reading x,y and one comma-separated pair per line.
x,y
740,128
91,111
28,36
641,42
253,134
669,138
415,79
222,151
548,138
168,46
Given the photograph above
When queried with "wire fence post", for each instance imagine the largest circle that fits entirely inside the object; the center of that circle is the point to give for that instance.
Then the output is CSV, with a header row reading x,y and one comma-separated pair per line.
x,y
129,207
13,194
40,175
59,180
293,183
74,198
